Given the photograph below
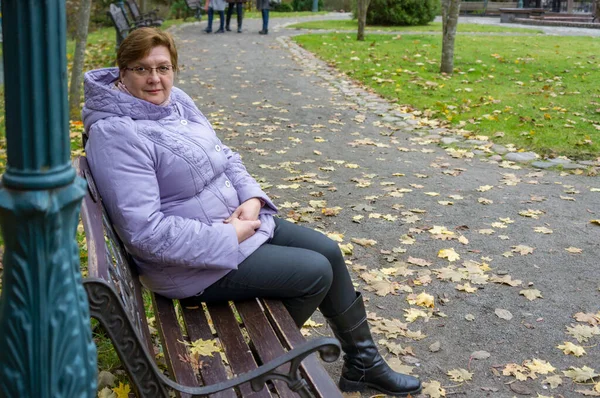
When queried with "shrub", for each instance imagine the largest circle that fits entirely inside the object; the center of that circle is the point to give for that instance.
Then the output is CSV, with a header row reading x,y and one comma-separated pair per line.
x,y
283,7
401,12
305,5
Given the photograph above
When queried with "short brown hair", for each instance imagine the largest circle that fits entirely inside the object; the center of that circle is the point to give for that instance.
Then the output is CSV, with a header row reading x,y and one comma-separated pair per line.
x,y
140,42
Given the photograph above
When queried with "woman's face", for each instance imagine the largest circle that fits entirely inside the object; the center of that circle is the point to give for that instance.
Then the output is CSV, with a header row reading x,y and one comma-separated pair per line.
x,y
145,81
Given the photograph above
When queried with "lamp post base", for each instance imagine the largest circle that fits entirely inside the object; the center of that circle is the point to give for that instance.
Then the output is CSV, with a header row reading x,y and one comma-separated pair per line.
x,y
46,349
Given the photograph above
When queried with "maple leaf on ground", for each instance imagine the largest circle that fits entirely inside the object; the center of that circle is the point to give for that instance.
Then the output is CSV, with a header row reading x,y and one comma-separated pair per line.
x,y
553,381
335,236
570,348
108,393
504,314
574,250
395,348
460,375
397,365
422,299
440,230
319,204
407,240
450,254
347,249
418,261
383,288
449,273
521,373
506,279
589,393
364,242
523,250
580,374
592,319
466,288
331,211
122,390
531,213
543,230
311,324
433,389
583,332
539,366
413,314
531,294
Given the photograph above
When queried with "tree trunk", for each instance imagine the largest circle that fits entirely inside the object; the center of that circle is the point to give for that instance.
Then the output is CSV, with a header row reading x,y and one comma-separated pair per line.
x,y
569,6
83,20
450,10
362,7
143,7
597,11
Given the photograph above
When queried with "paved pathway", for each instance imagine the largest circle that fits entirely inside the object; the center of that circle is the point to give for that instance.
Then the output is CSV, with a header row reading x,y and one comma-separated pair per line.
x,y
309,135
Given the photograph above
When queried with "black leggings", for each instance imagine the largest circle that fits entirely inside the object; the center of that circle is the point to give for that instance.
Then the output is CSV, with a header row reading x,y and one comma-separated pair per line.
x,y
239,9
300,266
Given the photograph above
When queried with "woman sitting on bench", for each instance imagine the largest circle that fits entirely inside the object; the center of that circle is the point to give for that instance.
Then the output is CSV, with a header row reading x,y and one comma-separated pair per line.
x,y
198,226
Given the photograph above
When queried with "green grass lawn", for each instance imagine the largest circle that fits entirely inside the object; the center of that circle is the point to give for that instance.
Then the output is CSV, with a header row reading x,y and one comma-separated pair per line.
x,y
432,27
541,93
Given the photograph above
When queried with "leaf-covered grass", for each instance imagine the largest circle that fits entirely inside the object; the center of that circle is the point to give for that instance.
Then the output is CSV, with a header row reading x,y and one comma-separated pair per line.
x,y
540,93
432,27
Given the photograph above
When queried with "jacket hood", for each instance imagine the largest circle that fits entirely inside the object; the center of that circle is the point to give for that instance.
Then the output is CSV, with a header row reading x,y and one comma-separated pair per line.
x,y
103,101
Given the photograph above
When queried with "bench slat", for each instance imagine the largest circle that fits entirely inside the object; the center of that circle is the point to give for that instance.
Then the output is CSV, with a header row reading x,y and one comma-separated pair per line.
x,y
287,331
170,333
212,369
237,351
265,340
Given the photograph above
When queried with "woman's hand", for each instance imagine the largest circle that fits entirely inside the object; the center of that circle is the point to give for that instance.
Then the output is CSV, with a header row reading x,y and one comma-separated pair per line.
x,y
244,228
247,211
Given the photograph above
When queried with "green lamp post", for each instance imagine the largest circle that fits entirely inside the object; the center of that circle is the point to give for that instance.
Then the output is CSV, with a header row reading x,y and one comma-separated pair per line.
x,y
46,347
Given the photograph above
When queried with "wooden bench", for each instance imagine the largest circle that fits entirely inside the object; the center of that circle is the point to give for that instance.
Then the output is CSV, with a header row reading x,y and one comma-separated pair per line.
x,y
261,343
119,20
148,19
196,7
508,15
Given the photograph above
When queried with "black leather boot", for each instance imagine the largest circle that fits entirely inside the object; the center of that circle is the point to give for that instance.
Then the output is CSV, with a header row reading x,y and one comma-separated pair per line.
x,y
363,366
227,21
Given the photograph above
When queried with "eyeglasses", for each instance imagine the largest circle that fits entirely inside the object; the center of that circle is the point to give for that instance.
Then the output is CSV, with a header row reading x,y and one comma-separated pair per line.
x,y
142,71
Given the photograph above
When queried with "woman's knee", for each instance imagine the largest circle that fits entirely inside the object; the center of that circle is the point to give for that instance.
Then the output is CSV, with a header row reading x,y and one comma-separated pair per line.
x,y
331,250
318,273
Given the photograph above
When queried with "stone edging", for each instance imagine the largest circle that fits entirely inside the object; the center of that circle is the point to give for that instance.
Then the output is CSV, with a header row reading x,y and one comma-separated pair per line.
x,y
566,24
408,122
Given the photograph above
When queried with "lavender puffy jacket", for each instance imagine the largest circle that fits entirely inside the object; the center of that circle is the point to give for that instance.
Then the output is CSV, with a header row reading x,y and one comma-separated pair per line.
x,y
168,183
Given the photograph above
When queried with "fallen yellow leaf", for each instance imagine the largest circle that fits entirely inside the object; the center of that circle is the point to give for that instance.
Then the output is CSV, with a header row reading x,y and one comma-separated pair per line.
x,y
449,254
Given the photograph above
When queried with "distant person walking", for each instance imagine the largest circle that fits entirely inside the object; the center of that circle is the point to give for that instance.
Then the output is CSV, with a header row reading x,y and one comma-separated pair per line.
x,y
239,6
263,6
216,5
